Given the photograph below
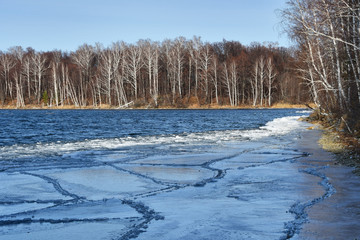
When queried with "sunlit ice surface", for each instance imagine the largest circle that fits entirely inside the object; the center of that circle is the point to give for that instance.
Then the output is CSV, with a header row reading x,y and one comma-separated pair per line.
x,y
219,174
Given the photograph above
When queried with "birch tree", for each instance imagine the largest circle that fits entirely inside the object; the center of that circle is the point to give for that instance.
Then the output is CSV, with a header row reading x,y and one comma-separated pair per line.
x,y
254,82
119,64
18,52
194,49
26,71
227,81
83,57
120,73
134,64
7,63
151,63
261,72
328,31
230,79
38,69
271,74
107,72
205,61
55,76
214,77
178,49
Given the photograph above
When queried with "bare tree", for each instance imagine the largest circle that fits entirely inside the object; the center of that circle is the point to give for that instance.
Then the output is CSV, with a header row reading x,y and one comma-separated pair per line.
x,y
120,73
26,71
84,57
234,83
179,46
214,77
19,90
205,61
271,74
18,53
254,82
261,73
7,63
69,86
155,86
107,72
328,32
38,70
64,90
194,49
151,63
133,67
172,56
230,79
118,52
56,81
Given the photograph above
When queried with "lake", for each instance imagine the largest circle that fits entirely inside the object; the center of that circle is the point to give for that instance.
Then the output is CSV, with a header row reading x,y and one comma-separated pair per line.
x,y
149,174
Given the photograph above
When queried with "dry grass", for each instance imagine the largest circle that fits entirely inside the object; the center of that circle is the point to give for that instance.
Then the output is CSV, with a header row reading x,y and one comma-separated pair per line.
x,y
330,141
345,148
287,105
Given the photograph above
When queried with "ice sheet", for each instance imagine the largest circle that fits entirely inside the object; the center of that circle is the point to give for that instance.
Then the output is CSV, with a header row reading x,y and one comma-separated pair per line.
x,y
253,184
182,160
97,183
166,174
78,231
15,187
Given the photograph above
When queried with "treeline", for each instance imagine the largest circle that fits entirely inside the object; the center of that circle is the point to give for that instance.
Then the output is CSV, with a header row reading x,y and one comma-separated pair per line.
x,y
328,36
177,73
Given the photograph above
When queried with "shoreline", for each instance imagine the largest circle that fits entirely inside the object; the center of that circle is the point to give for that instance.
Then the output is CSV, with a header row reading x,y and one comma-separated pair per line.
x,y
340,185
344,152
345,148
190,107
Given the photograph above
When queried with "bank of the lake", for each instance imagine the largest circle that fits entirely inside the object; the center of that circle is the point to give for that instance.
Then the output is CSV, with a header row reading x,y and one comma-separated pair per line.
x,y
192,106
335,215
345,148
344,145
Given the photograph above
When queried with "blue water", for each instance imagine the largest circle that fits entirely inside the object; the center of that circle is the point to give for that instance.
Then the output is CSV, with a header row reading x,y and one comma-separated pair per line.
x,y
42,139
46,126
110,174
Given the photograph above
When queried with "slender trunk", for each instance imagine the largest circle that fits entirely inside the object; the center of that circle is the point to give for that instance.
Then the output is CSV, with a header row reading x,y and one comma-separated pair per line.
x,y
255,83
216,82
55,84
189,90
337,67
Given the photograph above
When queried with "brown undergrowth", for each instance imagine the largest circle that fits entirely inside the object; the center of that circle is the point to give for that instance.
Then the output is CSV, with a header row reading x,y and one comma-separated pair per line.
x,y
141,105
335,139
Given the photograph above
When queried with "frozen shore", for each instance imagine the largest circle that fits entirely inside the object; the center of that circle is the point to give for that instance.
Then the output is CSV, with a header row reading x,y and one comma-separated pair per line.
x,y
337,217
274,182
287,190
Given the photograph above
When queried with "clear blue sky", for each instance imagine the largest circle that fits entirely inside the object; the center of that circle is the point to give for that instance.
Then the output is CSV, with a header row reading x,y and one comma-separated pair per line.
x,y
66,24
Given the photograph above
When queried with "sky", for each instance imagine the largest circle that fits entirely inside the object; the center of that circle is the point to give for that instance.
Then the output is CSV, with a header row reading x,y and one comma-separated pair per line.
x,y
46,25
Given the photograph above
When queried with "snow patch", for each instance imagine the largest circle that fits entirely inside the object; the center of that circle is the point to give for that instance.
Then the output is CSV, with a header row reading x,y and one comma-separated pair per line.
x,y
279,126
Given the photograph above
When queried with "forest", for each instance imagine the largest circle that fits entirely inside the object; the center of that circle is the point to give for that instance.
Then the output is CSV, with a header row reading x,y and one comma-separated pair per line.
x,y
172,73
323,67
327,34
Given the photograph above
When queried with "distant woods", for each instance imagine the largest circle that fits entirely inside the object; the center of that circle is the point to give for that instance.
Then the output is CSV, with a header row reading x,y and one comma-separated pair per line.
x,y
176,73
328,36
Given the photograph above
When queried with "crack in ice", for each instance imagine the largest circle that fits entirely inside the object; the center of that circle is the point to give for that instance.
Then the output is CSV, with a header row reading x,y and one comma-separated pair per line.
x,y
299,209
56,185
